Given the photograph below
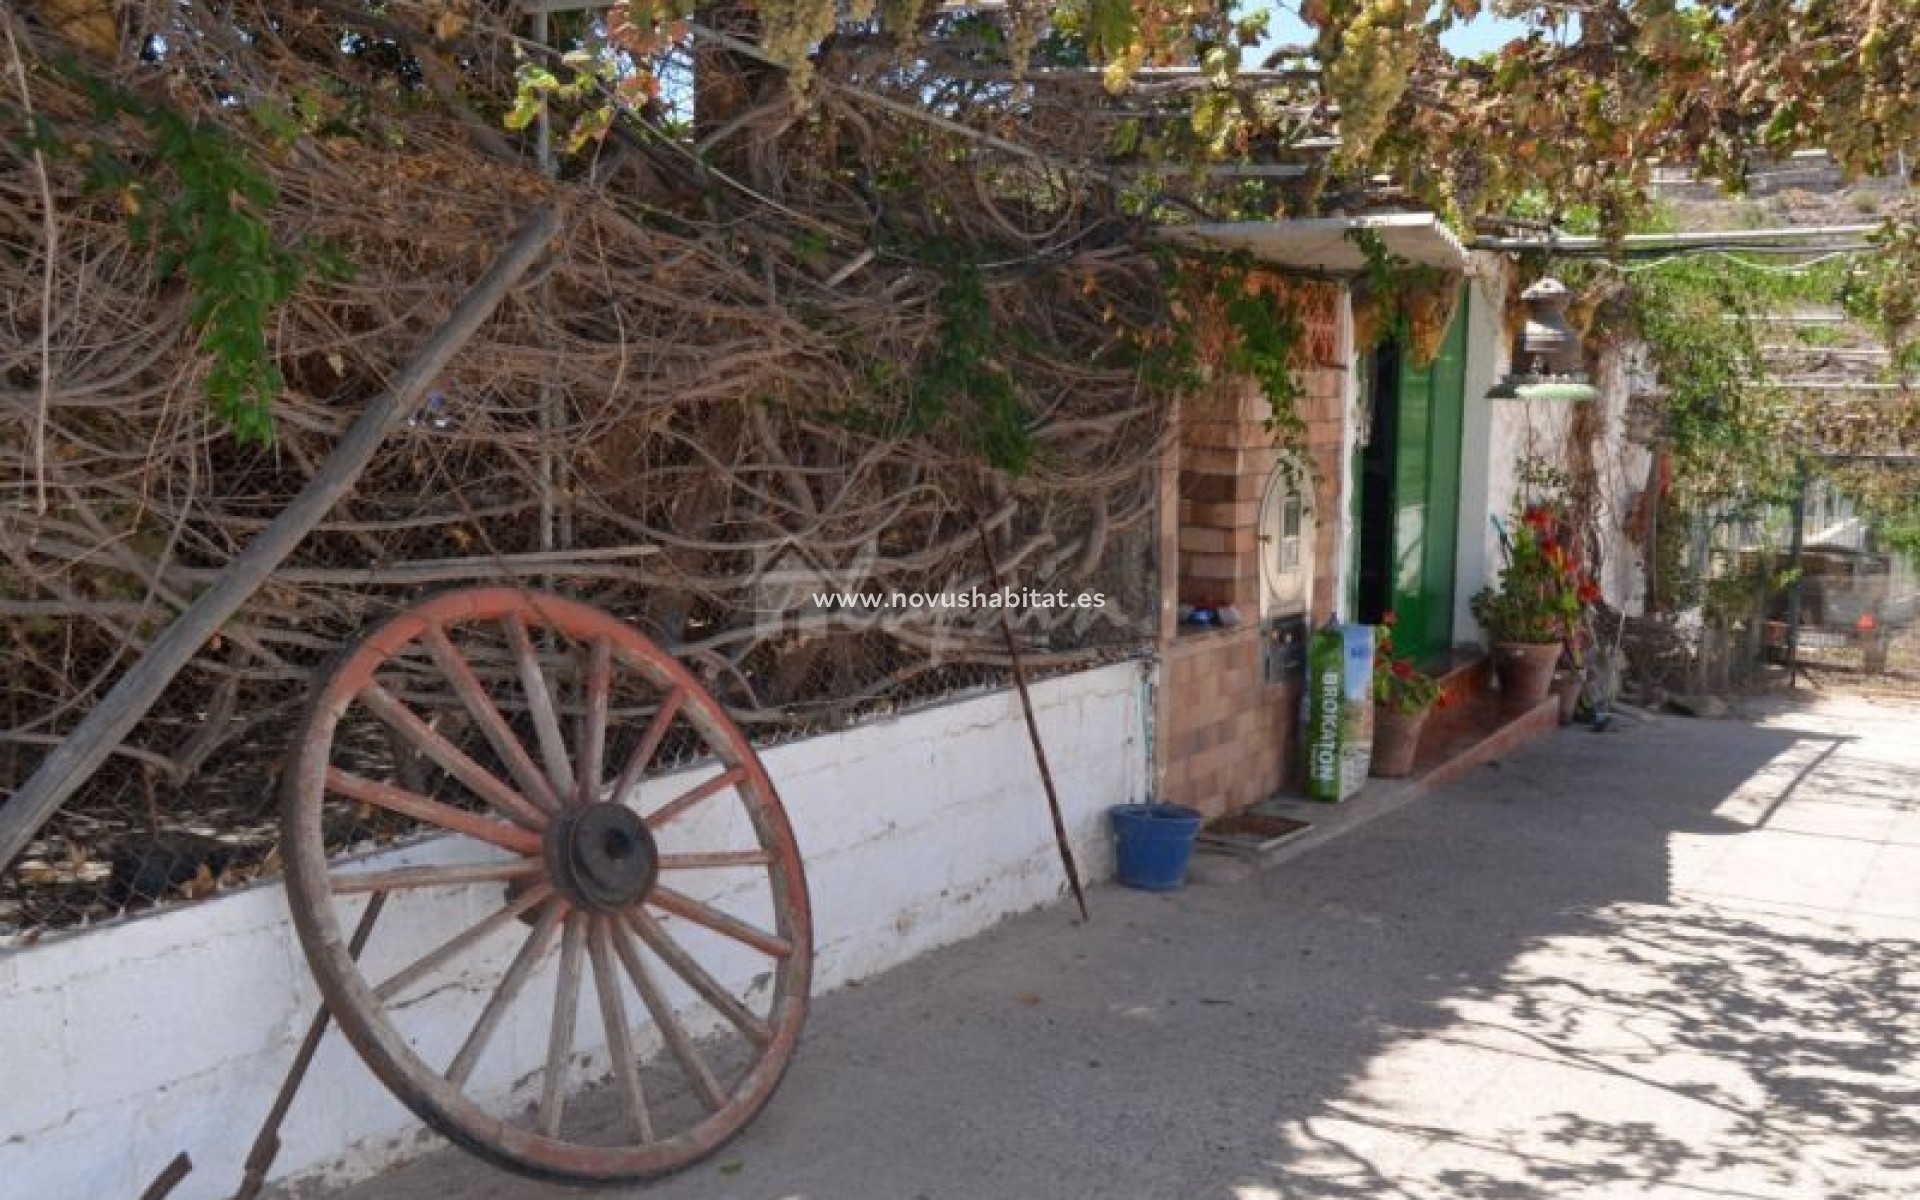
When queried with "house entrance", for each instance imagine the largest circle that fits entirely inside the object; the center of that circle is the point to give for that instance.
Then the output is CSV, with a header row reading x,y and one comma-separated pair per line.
x,y
1407,493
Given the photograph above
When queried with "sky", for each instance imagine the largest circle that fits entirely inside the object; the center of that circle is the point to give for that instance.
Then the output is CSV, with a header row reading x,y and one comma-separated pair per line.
x,y
1476,37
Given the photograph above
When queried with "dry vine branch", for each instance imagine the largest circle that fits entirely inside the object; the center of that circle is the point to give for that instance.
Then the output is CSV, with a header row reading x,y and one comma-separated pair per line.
x,y
738,396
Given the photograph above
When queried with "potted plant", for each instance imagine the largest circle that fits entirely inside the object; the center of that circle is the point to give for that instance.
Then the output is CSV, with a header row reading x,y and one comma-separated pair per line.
x,y
1403,696
1534,611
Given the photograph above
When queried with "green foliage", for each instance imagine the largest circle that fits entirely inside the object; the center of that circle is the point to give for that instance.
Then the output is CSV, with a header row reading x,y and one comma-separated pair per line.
x,y
1887,495
586,80
1883,291
212,231
1730,433
963,380
1542,589
1401,301
1398,685
1265,336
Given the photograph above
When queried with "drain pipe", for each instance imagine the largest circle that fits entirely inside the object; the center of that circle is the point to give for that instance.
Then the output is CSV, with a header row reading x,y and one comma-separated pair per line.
x,y
1582,245
1148,669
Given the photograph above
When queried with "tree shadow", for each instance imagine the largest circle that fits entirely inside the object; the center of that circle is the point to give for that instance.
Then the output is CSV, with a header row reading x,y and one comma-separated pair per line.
x,y
1685,1040
1514,988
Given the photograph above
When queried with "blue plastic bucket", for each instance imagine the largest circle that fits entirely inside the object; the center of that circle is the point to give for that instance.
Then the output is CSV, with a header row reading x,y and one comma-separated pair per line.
x,y
1153,843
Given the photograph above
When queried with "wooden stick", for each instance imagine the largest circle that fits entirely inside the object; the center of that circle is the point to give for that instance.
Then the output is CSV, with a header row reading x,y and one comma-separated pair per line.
x,y
164,1183
266,1144
74,760
1033,729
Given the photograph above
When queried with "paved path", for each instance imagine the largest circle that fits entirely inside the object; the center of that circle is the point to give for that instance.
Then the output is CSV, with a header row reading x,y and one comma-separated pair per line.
x,y
1678,961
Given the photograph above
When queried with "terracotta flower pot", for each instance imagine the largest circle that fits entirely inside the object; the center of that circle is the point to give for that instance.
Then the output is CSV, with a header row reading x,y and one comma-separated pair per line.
x,y
1396,737
1525,670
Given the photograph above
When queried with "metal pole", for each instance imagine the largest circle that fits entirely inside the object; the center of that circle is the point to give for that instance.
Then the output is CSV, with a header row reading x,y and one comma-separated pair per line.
x,y
1772,235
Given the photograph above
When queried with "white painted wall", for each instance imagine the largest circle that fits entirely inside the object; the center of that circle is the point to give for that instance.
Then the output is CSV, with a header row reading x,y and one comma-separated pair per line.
x,y
1344,565
1622,466
1497,434
123,1045
1485,475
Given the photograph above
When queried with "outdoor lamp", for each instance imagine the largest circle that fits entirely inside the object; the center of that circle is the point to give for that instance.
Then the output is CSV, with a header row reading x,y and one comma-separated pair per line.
x,y
1547,357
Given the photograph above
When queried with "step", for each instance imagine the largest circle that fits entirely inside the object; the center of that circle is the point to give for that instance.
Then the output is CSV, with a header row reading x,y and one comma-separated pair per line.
x,y
1462,674
1471,732
1476,730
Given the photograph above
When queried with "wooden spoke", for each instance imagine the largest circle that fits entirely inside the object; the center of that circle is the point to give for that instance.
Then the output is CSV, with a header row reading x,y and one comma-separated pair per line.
x,y
593,725
473,694
433,812
649,743
588,703
546,720
448,875
684,1051
461,942
566,1004
715,858
454,761
679,905
705,985
461,1069
613,1016
686,800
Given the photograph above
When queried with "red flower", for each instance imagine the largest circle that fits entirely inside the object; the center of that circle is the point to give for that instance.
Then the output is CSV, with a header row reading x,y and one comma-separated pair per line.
x,y
1589,592
1403,669
1538,516
1387,618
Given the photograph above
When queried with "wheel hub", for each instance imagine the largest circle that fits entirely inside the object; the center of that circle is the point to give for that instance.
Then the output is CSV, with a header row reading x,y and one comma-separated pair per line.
x,y
602,856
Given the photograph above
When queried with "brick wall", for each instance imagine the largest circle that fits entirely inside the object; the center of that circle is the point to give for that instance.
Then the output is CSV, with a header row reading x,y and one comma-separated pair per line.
x,y
1225,738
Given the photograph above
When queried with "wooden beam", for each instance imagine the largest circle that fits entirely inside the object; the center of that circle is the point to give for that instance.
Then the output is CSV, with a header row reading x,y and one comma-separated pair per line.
x,y
81,752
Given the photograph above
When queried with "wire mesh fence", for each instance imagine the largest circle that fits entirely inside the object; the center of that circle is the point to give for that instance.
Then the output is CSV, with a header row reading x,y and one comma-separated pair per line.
x,y
1841,610
696,413
827,654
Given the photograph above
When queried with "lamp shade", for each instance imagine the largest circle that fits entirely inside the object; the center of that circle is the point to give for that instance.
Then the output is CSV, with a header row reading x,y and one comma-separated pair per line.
x,y
1546,358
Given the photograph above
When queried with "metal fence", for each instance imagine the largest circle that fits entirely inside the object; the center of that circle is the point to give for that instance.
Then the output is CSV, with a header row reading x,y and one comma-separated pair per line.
x,y
1834,604
827,647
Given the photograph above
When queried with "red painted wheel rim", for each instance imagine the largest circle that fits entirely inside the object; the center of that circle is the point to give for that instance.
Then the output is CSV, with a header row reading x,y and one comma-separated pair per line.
x,y
524,799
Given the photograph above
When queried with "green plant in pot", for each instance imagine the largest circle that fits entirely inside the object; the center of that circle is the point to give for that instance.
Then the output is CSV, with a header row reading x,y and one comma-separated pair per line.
x,y
1533,613
1403,697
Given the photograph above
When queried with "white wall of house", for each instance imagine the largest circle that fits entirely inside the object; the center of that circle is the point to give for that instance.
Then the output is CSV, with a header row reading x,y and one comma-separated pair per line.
x,y
1622,466
126,1044
1487,436
1352,411
1497,435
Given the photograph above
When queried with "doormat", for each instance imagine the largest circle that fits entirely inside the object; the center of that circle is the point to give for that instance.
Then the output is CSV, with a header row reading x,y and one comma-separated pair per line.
x,y
1251,833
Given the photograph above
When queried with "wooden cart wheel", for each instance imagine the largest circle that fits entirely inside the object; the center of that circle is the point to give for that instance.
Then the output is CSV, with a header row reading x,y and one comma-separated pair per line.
x,y
533,732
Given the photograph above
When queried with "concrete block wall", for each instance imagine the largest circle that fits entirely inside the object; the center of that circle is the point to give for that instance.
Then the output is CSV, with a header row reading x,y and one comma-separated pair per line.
x,y
129,1043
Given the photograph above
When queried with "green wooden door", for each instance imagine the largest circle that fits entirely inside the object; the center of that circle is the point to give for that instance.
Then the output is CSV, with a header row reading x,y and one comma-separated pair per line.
x,y
1426,494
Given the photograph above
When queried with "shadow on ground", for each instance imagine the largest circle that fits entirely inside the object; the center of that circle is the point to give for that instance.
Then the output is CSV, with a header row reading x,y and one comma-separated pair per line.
x,y
1600,969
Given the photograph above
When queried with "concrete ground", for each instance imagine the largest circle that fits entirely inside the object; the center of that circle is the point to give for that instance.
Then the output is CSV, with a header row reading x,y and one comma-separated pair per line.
x,y
1674,961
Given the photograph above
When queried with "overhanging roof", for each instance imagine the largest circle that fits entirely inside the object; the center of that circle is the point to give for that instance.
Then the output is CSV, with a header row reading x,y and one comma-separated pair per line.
x,y
1322,244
